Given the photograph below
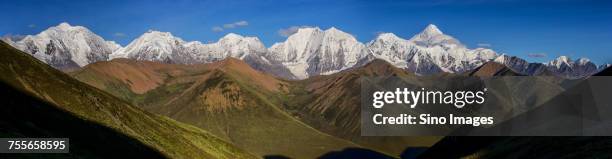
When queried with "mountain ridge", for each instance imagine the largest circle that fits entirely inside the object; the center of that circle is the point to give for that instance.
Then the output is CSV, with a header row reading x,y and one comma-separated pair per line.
x,y
308,52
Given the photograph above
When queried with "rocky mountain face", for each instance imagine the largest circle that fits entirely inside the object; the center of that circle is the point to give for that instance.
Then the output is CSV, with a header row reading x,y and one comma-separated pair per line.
x,y
66,47
306,53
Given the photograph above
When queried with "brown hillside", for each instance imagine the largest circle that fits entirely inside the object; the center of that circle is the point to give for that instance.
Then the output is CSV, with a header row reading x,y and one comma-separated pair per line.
x,y
331,104
491,69
227,98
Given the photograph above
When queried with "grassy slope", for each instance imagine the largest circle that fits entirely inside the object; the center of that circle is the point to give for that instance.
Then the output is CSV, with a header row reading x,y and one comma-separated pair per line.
x,y
85,104
227,98
332,104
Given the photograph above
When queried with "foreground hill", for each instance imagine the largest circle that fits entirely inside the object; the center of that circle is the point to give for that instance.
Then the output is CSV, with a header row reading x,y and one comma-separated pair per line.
x,y
40,101
227,98
579,128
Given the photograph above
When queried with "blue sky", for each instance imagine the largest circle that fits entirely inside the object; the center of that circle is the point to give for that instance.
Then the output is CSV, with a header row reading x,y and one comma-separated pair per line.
x,y
537,30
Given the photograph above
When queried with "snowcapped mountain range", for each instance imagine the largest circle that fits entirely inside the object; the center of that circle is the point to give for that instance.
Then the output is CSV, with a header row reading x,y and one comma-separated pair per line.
x,y
67,47
308,52
428,52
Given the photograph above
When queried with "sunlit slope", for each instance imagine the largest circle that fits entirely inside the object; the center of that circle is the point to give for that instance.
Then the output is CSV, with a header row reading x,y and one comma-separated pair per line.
x,y
69,108
227,98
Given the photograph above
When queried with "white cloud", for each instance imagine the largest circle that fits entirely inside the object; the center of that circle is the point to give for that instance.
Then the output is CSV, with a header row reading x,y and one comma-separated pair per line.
x,y
286,32
217,29
484,45
241,23
229,26
118,34
233,25
537,55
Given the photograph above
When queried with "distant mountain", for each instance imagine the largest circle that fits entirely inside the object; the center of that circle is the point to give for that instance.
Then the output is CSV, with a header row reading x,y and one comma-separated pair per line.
x,y
562,66
164,47
312,51
491,69
67,47
308,52
607,71
428,52
520,65
39,101
157,46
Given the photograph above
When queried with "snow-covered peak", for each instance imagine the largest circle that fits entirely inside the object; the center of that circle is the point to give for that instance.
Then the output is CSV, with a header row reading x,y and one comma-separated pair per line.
x,y
432,30
335,34
232,39
559,61
232,36
154,35
163,46
64,26
67,47
238,46
308,30
582,61
333,31
387,37
565,67
564,59
432,36
154,46
311,51
501,58
429,52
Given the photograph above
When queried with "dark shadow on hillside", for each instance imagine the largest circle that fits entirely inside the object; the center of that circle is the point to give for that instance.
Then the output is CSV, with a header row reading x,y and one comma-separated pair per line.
x,y
412,152
583,108
522,147
276,157
24,116
354,153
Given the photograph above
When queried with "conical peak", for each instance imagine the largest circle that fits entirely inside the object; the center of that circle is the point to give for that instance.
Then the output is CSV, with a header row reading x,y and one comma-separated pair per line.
x,y
432,29
232,36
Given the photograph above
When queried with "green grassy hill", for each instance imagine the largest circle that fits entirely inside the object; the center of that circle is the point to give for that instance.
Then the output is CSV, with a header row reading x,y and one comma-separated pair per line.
x,y
39,101
227,98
